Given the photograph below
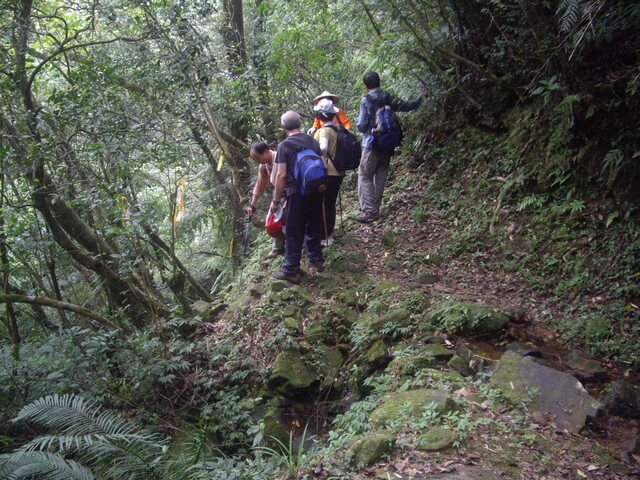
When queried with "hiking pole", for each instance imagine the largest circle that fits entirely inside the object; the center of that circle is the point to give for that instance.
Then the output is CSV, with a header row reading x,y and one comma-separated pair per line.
x,y
341,211
245,240
324,219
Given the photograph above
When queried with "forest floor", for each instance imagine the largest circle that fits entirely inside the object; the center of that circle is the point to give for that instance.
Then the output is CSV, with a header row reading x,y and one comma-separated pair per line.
x,y
503,445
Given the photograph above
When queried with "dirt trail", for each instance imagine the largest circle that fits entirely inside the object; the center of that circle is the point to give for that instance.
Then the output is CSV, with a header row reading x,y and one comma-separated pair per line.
x,y
403,257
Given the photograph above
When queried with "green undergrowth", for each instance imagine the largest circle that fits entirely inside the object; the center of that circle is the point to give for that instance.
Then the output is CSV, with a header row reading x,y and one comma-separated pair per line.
x,y
520,202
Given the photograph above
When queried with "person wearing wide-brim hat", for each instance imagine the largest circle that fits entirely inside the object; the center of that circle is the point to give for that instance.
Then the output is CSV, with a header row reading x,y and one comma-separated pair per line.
x,y
341,117
327,138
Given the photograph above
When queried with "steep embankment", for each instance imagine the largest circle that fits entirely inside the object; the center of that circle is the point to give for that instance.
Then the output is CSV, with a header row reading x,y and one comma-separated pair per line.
x,y
394,360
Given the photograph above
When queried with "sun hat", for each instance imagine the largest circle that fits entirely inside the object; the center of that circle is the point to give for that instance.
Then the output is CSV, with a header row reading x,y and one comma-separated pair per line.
x,y
326,94
325,106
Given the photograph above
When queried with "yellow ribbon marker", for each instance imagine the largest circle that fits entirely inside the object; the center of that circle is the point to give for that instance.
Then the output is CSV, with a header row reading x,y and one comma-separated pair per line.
x,y
220,162
179,212
124,211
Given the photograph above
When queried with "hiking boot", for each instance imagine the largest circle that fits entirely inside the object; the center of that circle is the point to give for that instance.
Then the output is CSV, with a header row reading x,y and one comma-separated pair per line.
x,y
365,218
274,253
328,241
315,267
289,277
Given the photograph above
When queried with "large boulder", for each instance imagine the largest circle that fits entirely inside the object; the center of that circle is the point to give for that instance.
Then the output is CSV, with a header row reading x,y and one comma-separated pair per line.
x,y
467,318
400,407
521,379
291,376
367,448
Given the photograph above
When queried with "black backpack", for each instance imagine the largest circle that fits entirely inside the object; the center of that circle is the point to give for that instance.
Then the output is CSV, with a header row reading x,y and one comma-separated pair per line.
x,y
348,150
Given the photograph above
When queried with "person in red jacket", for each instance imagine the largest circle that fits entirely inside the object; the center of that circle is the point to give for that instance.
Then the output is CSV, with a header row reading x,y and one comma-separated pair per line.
x,y
341,117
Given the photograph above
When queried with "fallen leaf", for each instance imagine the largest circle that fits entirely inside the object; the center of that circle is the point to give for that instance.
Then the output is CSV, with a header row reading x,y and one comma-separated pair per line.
x,y
581,473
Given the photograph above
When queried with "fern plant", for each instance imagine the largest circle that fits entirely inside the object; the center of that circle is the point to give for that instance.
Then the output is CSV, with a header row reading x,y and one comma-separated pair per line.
x,y
571,13
100,442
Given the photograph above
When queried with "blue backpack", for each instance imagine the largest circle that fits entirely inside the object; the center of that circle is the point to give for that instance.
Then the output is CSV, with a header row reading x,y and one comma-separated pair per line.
x,y
387,134
309,173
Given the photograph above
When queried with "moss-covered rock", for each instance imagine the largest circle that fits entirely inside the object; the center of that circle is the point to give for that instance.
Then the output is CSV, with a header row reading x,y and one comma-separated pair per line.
x,y
435,439
394,318
291,323
428,356
398,409
467,318
329,363
340,314
348,262
208,312
349,297
280,285
384,287
296,294
291,376
434,258
623,399
274,427
427,276
256,291
389,238
521,380
377,354
438,351
410,364
367,448
314,331
460,366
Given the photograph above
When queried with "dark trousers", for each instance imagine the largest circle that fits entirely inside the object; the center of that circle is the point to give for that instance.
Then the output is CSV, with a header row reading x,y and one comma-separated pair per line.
x,y
304,224
330,199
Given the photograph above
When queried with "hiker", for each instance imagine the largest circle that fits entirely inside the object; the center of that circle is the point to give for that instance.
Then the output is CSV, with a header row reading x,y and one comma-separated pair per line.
x,y
304,211
341,117
327,138
267,169
374,165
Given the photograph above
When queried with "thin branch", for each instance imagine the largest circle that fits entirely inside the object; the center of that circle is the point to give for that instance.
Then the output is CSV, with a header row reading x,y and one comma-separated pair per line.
x,y
49,302
371,19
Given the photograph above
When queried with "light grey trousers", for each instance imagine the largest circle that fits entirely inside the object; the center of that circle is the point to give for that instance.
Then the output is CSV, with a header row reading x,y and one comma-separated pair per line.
x,y
278,244
372,177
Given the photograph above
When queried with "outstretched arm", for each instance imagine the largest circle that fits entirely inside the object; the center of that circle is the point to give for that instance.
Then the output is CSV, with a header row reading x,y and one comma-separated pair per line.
x,y
399,105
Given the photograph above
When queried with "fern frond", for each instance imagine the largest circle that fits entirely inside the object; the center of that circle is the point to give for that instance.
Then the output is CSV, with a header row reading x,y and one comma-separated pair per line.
x,y
571,13
112,446
41,465
73,415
